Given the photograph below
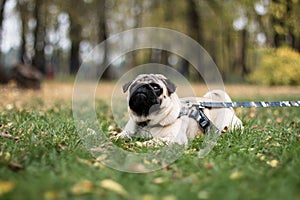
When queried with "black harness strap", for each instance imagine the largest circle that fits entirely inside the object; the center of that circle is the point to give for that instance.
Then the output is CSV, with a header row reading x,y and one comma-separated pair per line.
x,y
198,115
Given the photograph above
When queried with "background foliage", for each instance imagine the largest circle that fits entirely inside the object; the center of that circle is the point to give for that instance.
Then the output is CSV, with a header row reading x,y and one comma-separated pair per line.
x,y
55,35
278,67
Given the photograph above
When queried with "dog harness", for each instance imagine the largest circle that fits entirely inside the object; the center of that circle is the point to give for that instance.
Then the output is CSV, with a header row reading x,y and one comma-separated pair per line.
x,y
196,112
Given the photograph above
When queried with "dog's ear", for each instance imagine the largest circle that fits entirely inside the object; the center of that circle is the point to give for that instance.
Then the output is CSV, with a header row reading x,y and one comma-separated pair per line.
x,y
126,86
170,86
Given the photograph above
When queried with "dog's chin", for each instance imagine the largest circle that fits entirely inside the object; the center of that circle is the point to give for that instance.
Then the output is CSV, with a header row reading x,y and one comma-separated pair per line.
x,y
143,105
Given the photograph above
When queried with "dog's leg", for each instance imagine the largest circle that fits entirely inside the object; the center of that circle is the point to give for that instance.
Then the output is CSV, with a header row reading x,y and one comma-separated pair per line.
x,y
223,118
174,133
129,130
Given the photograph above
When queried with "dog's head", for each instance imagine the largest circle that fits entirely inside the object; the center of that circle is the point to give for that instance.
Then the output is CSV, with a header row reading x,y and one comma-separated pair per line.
x,y
147,92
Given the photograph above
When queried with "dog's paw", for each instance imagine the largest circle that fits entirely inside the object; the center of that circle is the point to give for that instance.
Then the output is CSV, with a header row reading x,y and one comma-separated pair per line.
x,y
124,135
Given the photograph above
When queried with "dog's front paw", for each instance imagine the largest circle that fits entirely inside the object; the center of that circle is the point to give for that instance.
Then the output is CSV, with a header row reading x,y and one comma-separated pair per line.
x,y
124,135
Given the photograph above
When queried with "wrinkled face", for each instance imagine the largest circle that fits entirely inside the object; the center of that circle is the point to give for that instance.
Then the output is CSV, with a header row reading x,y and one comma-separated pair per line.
x,y
147,92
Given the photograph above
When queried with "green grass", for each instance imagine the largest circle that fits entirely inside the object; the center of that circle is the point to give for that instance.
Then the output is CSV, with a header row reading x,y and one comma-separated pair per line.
x,y
43,158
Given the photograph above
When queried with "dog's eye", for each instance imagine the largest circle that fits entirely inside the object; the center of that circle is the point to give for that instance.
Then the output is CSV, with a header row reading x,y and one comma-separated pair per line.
x,y
155,86
157,89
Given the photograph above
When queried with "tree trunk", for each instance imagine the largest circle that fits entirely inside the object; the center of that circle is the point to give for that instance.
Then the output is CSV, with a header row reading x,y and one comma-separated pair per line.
x,y
3,76
75,36
102,32
291,38
243,60
74,57
194,22
2,5
22,9
39,36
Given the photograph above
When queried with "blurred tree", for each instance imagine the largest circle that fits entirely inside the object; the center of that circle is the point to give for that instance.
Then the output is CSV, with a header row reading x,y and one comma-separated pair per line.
x,y
75,11
102,36
2,5
40,15
3,76
230,31
283,14
75,36
24,16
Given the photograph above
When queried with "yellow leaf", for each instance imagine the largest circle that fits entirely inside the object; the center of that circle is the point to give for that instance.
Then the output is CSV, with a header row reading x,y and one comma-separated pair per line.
x,y
235,175
273,163
83,187
148,197
158,180
113,186
169,197
6,186
51,195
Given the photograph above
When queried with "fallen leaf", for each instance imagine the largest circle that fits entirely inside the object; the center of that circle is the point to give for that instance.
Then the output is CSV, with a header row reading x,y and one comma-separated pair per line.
x,y
113,186
6,186
262,157
276,144
148,197
62,145
6,135
158,180
268,138
169,197
254,127
83,161
111,128
6,156
9,136
103,157
235,175
99,165
51,195
279,120
15,166
273,163
82,187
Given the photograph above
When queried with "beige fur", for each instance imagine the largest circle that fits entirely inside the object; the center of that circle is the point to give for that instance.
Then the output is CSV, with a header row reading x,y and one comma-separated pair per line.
x,y
165,125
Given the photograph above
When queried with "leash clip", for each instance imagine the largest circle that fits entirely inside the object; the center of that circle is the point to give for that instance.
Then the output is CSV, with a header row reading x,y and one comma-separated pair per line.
x,y
198,105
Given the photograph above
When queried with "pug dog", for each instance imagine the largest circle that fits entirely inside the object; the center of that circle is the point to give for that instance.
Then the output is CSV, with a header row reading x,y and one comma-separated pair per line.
x,y
155,108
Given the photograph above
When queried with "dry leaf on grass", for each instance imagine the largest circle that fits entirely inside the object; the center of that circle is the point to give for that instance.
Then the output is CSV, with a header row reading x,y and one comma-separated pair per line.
x,y
51,195
113,186
82,187
8,136
235,175
158,180
15,166
273,163
6,186
5,156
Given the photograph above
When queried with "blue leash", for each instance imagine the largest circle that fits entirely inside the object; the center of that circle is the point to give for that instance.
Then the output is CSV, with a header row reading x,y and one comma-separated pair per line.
x,y
251,104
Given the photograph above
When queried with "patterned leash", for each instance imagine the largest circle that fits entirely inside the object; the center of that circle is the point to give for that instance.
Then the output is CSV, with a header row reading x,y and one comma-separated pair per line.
x,y
263,104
